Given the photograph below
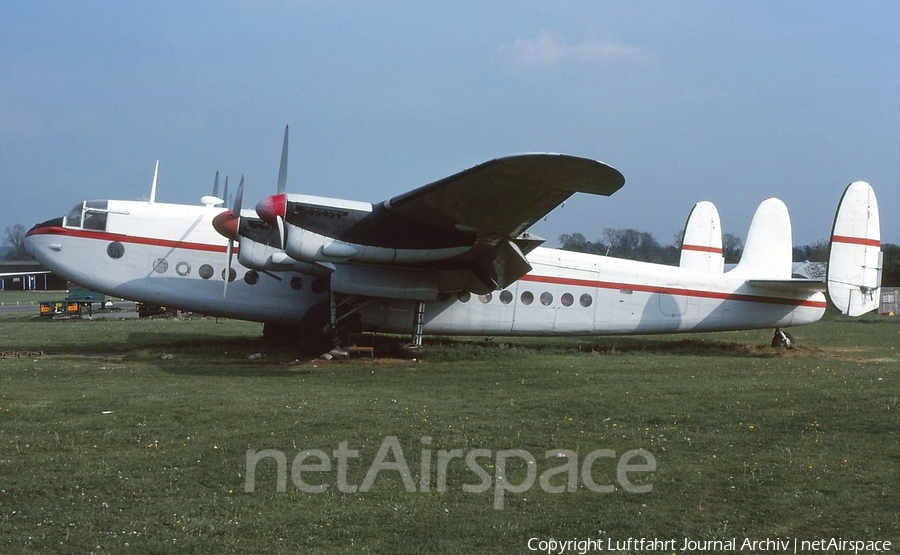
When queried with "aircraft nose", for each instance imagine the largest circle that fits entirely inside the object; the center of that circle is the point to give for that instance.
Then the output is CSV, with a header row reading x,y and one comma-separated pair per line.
x,y
39,229
271,207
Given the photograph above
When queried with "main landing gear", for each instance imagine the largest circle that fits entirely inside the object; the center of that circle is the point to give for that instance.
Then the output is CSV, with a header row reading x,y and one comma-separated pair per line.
x,y
331,323
414,349
313,336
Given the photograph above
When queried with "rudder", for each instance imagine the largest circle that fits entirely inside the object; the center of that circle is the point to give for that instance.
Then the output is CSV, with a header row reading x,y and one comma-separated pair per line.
x,y
854,258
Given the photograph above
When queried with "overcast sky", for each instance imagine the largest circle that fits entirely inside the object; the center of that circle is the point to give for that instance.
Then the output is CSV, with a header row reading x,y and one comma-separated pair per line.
x,y
730,102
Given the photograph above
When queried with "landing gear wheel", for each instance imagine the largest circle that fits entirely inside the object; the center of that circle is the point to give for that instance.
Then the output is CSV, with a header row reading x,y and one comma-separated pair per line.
x,y
411,351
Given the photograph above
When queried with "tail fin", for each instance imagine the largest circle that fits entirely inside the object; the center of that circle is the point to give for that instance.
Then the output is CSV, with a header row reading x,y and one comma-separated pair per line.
x,y
701,246
768,251
854,258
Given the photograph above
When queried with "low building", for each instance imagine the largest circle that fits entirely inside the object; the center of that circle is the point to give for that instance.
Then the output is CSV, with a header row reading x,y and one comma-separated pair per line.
x,y
28,275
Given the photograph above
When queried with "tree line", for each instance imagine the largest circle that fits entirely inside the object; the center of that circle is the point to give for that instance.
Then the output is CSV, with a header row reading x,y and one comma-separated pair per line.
x,y
642,246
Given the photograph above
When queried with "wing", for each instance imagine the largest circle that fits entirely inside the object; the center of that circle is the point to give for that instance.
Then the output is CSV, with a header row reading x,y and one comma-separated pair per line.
x,y
464,232
497,201
504,197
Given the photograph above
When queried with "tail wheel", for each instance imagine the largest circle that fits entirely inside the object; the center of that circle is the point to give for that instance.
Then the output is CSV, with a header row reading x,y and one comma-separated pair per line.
x,y
782,339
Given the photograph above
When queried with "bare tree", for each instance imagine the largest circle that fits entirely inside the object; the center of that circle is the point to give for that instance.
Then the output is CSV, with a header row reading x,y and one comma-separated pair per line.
x,y
14,237
732,248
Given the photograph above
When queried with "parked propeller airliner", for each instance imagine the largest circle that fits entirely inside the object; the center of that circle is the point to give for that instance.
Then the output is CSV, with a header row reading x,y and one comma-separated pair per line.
x,y
452,257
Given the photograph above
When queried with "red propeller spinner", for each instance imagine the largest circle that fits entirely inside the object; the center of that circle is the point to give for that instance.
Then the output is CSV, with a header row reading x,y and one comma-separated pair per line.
x,y
226,224
271,208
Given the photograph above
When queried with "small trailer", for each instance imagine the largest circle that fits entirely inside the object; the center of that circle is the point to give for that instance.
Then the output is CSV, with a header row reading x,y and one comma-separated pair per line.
x,y
74,304
51,309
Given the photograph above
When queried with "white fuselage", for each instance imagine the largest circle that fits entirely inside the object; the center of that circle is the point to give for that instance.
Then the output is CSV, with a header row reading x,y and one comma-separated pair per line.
x,y
570,293
169,254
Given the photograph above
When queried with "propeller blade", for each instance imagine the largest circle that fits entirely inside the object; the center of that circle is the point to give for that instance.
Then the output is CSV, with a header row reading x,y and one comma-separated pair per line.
x,y
216,185
225,196
236,214
229,251
238,198
282,170
279,221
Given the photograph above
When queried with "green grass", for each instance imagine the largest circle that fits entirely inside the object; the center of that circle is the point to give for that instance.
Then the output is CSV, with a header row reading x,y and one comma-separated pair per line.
x,y
107,447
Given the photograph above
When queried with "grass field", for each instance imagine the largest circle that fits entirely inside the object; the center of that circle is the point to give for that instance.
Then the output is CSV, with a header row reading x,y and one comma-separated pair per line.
x,y
132,436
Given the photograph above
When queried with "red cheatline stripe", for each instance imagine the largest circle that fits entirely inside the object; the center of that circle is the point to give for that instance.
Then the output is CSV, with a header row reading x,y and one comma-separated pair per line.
x,y
103,236
531,278
674,291
701,248
856,240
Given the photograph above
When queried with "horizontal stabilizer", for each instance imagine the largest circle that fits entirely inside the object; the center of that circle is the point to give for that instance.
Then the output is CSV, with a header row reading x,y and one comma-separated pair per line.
x,y
701,244
854,259
790,285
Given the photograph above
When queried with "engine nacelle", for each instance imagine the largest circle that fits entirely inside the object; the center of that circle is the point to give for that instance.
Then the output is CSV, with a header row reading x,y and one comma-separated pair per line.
x,y
308,246
261,256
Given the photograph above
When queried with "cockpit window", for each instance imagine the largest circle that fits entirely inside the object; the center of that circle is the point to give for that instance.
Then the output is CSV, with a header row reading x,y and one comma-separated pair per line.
x,y
73,218
95,212
90,214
